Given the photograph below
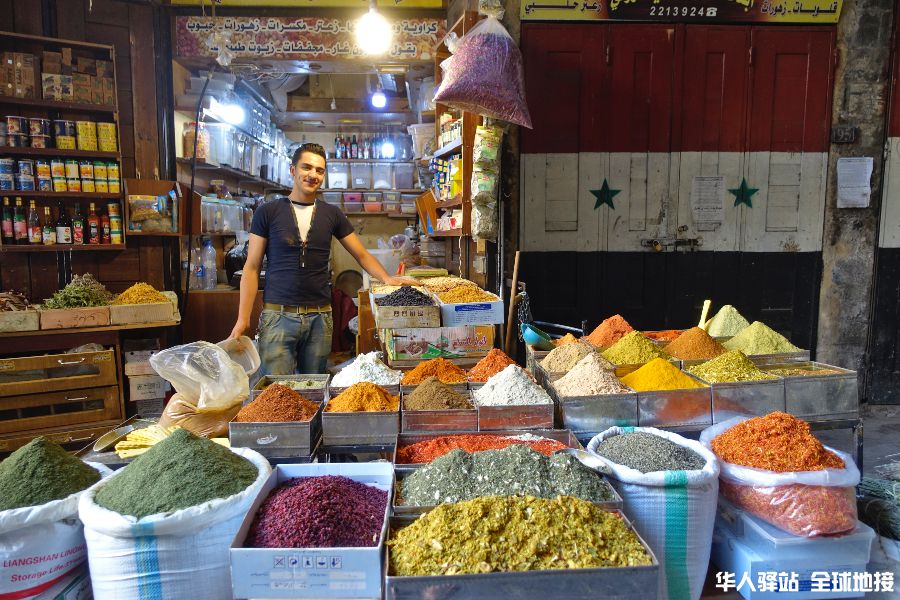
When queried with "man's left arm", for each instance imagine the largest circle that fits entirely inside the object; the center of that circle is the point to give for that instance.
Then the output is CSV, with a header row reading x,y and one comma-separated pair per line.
x,y
353,245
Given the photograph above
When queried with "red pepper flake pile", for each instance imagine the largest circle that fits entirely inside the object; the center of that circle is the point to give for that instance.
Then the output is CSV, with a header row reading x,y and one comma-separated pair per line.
x,y
495,361
667,335
428,450
277,404
778,442
443,369
806,510
319,512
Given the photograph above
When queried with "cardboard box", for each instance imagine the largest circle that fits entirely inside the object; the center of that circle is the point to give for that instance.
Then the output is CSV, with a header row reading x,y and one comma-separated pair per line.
x,y
138,356
139,368
153,407
56,87
311,572
66,59
109,91
51,62
96,90
83,88
472,313
88,66
147,387
72,318
104,68
25,75
447,342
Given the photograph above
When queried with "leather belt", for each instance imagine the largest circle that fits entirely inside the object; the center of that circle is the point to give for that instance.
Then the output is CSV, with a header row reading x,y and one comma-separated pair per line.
x,y
300,310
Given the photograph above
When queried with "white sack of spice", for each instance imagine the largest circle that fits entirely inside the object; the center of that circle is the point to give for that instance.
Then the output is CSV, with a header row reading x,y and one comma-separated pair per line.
x,y
367,367
511,386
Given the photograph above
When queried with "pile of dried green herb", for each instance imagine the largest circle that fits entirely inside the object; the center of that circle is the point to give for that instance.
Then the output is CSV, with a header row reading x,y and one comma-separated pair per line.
x,y
39,472
83,291
514,533
513,471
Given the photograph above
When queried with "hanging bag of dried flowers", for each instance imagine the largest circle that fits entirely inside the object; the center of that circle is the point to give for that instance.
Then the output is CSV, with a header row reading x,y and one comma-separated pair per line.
x,y
484,75
774,468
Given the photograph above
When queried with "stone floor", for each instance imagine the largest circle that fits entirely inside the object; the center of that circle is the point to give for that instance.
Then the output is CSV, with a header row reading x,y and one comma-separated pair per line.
x,y
881,440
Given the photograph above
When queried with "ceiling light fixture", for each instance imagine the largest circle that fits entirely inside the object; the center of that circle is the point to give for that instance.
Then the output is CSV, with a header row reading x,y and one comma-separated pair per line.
x,y
373,32
229,108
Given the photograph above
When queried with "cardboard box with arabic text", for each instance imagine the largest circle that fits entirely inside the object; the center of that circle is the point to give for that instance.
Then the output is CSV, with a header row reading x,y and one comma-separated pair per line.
x,y
469,341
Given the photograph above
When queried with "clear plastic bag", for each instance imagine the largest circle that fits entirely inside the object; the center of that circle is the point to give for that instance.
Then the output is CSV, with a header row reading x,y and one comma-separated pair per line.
x,y
204,375
485,220
484,75
182,413
486,149
805,503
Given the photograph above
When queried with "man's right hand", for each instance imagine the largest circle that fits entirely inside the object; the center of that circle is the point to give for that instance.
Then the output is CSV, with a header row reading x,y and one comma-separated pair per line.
x,y
239,330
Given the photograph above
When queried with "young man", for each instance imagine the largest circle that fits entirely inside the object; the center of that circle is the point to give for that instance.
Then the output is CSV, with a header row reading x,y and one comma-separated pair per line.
x,y
295,233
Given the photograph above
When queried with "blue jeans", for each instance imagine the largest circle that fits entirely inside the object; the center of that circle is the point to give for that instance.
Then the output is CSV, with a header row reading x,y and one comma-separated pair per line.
x,y
292,343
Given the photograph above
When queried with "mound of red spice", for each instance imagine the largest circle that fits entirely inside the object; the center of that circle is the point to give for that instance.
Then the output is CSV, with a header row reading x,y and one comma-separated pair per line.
x,y
428,450
319,512
666,335
443,369
495,361
777,442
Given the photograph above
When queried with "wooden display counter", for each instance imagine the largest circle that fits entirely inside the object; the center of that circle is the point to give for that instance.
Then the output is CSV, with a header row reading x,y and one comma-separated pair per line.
x,y
210,314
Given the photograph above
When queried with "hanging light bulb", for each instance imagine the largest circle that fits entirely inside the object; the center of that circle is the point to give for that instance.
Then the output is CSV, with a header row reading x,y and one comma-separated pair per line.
x,y
229,109
373,32
378,99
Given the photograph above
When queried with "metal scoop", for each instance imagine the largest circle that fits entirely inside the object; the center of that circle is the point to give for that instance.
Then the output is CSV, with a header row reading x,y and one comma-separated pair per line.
x,y
587,459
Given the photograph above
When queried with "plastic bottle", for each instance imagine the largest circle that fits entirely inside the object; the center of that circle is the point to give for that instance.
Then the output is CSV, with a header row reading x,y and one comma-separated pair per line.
x,y
196,281
210,276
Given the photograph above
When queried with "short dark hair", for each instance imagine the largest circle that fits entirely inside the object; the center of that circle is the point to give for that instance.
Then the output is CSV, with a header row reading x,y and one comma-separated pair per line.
x,y
308,147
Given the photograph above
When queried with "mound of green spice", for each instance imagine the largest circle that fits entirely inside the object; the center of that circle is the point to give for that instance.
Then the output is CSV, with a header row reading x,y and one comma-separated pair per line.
x,y
39,472
513,471
83,291
181,471
514,533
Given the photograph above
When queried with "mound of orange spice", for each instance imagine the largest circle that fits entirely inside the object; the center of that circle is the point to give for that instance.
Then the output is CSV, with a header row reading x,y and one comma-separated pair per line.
x,y
428,450
777,442
363,397
495,361
443,369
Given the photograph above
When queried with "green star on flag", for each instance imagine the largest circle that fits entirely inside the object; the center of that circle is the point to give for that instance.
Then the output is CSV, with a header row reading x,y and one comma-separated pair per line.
x,y
605,195
743,194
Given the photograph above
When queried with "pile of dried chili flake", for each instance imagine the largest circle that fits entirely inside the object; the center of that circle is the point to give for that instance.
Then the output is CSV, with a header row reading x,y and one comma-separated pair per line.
x,y
427,450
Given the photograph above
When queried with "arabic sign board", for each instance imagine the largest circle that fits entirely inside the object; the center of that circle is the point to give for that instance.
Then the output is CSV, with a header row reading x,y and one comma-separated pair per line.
x,y
316,3
307,38
821,12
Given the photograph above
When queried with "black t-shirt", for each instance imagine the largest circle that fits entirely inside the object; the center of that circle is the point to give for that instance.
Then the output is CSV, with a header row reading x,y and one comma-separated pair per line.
x,y
288,281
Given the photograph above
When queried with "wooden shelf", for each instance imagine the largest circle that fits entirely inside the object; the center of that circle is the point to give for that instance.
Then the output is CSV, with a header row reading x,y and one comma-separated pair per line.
x,y
240,175
207,116
405,217
450,204
61,195
451,148
373,160
351,191
446,233
14,334
58,105
62,248
153,234
57,152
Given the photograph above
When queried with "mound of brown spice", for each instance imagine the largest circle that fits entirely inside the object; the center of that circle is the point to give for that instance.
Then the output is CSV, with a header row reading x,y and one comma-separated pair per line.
x,y
277,404
695,344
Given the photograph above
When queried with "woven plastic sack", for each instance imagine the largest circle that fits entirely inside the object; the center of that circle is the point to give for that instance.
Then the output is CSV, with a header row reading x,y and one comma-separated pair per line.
x,y
804,503
182,554
51,533
484,75
674,511
204,375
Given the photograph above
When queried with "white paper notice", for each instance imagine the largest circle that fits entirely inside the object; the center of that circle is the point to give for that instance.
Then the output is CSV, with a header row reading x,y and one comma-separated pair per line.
x,y
708,200
854,176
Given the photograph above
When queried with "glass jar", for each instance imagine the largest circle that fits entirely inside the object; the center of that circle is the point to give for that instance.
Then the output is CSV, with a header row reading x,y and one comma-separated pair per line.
x,y
203,142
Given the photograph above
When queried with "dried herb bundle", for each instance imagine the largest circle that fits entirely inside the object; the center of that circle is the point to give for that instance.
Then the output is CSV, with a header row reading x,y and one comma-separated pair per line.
x,y
82,291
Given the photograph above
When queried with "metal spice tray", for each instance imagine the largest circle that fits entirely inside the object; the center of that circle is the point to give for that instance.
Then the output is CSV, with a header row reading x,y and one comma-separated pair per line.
x,y
563,436
279,439
450,419
593,414
359,428
347,572
400,508
761,360
615,583
820,397
753,398
316,394
533,357
675,408
526,416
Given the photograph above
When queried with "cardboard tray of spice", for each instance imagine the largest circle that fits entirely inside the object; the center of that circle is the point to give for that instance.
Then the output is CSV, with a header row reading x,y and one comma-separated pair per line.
x,y
360,428
563,436
401,508
404,317
335,572
317,391
451,419
828,396
616,583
